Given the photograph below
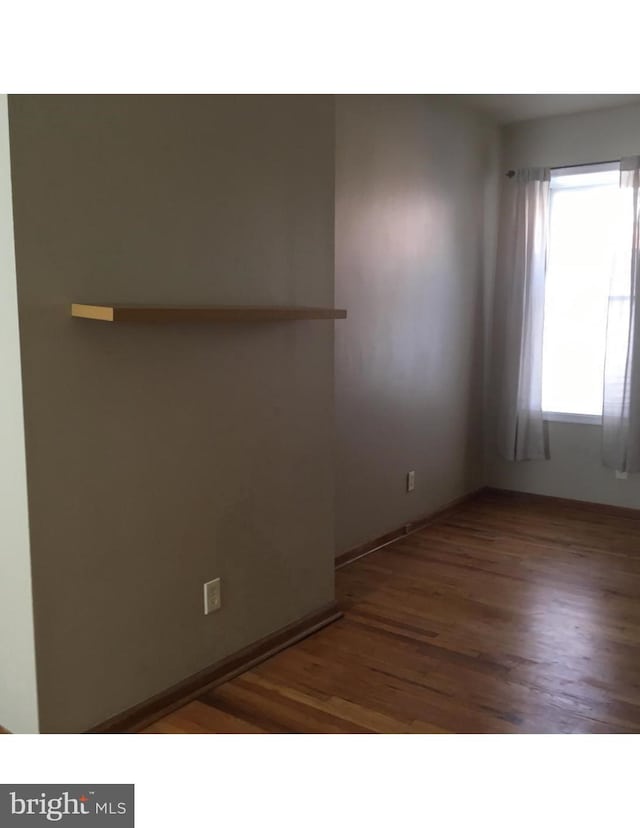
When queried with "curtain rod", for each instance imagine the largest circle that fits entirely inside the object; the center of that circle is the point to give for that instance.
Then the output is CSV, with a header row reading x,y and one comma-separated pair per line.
x,y
511,173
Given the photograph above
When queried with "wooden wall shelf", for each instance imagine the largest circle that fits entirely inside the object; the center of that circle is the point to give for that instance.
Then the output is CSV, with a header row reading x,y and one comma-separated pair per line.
x,y
215,313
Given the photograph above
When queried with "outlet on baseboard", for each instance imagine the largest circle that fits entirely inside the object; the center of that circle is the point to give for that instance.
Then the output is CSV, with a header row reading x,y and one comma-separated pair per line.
x,y
212,597
411,481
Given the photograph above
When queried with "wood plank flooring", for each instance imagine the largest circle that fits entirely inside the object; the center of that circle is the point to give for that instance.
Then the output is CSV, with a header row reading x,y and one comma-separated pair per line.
x,y
509,615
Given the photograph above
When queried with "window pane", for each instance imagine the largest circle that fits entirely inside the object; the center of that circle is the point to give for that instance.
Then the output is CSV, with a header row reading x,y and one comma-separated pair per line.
x,y
576,293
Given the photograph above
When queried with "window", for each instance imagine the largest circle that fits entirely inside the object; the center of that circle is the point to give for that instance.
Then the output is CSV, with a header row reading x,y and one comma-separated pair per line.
x,y
581,254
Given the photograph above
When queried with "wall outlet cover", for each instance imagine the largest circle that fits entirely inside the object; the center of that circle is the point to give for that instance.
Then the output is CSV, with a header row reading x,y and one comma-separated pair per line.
x,y
212,596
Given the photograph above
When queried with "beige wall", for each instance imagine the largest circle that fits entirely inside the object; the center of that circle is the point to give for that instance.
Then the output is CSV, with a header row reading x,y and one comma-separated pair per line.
x,y
161,457
18,699
415,217
575,469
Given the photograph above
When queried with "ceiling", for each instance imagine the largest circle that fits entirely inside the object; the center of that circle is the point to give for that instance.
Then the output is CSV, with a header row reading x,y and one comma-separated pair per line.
x,y
509,108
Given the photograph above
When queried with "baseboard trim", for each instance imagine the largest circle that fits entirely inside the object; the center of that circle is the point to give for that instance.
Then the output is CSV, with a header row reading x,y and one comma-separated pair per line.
x,y
358,552
567,502
149,711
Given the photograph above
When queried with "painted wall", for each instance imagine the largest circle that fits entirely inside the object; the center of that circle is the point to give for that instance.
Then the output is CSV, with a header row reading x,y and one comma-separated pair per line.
x,y
415,217
160,457
575,469
18,696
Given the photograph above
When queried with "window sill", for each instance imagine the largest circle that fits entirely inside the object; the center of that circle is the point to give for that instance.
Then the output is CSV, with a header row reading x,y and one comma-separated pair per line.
x,y
562,417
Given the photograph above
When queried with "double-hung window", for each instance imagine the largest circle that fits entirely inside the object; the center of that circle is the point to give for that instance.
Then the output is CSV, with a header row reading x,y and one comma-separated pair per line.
x,y
583,230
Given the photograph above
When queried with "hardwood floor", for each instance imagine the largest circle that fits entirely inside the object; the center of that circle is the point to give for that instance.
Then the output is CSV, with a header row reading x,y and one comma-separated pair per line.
x,y
509,615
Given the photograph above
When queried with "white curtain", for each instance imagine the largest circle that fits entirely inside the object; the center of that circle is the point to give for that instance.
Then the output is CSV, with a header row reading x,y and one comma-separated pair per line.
x,y
522,259
621,410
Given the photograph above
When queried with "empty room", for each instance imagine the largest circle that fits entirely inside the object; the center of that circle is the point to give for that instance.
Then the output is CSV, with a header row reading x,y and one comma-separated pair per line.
x,y
321,414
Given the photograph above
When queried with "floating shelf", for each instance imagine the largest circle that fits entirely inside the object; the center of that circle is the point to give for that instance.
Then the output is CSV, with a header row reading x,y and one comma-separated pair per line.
x,y
215,313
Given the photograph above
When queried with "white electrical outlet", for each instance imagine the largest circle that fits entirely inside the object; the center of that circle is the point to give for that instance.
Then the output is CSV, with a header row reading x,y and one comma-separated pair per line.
x,y
411,481
212,600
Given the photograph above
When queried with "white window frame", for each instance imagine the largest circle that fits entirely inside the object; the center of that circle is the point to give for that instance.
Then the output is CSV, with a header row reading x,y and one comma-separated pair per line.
x,y
564,416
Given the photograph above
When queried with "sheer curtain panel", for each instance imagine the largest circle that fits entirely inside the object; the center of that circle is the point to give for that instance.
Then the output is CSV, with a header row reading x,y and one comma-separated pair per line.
x,y
522,259
621,407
